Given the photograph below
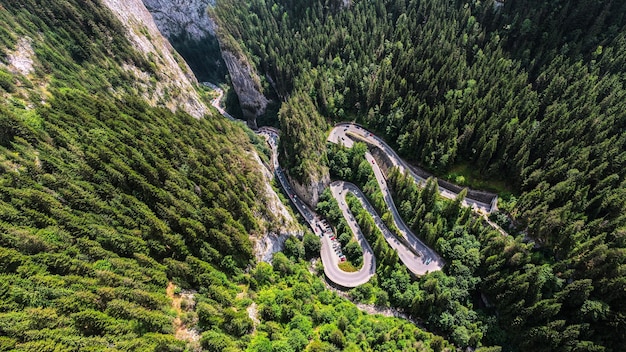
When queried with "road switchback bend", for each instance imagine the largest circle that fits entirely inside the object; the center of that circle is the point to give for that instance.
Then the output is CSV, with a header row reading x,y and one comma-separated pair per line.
x,y
428,260
329,257
339,135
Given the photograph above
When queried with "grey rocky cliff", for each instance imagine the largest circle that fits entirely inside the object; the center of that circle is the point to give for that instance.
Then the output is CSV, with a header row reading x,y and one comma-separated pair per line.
x,y
310,192
247,85
174,87
190,18
176,17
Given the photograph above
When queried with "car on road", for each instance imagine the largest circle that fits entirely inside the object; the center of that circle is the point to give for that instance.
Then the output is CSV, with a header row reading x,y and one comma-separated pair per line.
x,y
343,259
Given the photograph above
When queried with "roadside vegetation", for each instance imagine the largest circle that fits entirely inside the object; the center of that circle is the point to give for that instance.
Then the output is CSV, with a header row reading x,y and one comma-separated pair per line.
x,y
349,164
297,313
527,91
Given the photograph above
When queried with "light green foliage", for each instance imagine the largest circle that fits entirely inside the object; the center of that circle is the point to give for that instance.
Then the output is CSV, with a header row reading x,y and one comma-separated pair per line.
x,y
292,315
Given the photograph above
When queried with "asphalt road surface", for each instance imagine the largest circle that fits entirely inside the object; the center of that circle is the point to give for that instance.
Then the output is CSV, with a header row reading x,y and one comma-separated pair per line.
x,y
413,262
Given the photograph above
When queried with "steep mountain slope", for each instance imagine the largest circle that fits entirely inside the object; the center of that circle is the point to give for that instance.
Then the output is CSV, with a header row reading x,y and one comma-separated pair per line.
x,y
115,178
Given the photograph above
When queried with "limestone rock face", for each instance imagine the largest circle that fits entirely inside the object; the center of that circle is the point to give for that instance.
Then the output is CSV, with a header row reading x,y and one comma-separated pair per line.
x,y
190,18
310,192
174,87
176,17
247,85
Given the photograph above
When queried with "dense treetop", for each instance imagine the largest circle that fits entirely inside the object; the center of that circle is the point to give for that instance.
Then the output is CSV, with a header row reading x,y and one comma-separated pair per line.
x,y
105,201
527,91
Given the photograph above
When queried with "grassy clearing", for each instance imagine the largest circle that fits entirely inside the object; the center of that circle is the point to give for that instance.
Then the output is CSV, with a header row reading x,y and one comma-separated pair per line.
x,y
465,175
348,267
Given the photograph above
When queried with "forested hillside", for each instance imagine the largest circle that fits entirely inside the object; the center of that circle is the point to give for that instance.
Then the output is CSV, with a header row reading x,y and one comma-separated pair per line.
x,y
113,208
528,92
103,198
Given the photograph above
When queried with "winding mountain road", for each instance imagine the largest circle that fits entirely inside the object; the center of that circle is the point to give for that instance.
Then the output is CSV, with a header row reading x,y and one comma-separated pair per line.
x,y
339,134
416,264
417,257
414,254
329,258
216,102
411,245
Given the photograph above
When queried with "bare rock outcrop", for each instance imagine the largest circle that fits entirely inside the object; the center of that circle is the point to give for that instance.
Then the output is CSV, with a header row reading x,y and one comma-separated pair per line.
x,y
310,192
176,17
247,85
277,230
190,18
21,60
174,86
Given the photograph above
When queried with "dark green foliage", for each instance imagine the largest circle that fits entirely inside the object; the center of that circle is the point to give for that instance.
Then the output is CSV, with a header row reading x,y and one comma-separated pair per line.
x,y
217,342
329,209
294,248
6,81
302,139
354,253
312,245
529,91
